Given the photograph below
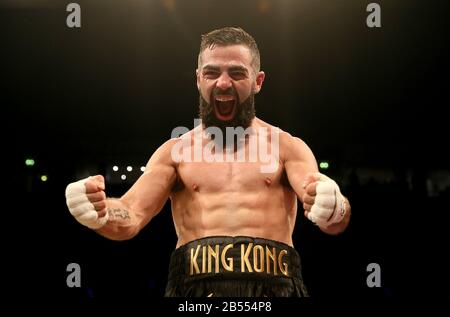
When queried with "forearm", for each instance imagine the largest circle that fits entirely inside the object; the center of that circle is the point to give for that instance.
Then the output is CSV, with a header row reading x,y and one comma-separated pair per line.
x,y
339,227
122,222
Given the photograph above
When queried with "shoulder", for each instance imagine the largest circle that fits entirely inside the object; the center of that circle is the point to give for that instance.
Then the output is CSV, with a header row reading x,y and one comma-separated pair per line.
x,y
294,152
169,151
291,148
167,146
164,153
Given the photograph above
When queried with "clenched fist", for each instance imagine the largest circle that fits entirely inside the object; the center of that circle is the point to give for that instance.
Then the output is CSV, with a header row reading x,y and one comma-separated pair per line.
x,y
86,200
323,202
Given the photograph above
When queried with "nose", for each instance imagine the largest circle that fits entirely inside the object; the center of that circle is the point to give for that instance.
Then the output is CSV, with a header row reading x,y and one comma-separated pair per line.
x,y
224,82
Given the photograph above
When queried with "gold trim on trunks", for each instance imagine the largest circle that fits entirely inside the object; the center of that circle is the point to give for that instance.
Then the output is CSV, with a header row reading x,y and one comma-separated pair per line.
x,y
214,259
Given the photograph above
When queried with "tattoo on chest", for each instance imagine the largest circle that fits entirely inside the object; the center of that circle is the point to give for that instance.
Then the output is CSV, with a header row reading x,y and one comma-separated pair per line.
x,y
119,213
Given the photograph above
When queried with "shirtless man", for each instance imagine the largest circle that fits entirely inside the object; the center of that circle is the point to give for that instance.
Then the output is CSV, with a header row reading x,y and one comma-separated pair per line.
x,y
233,218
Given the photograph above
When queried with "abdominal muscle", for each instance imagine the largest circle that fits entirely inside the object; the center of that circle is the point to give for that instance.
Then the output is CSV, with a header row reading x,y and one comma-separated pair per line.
x,y
268,212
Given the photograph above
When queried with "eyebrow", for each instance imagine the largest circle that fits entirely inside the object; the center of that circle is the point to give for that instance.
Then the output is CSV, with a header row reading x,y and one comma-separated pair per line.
x,y
211,67
231,69
238,68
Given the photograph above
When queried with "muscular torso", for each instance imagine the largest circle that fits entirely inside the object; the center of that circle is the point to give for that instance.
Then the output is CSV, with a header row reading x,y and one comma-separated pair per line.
x,y
233,199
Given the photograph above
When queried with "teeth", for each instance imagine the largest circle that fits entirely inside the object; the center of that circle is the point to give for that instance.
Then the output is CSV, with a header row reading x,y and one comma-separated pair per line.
x,y
224,98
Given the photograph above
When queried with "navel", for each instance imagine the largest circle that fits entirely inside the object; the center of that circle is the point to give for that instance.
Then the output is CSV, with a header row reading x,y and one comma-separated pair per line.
x,y
268,181
195,187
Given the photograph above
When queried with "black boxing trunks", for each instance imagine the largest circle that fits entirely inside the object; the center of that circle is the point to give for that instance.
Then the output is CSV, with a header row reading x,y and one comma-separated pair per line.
x,y
223,266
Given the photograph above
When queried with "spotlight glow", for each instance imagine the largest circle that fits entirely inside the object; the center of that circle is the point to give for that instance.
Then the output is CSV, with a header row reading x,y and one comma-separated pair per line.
x,y
29,162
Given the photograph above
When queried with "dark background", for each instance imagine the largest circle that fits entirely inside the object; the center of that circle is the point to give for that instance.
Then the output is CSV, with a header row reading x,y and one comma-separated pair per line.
x,y
369,101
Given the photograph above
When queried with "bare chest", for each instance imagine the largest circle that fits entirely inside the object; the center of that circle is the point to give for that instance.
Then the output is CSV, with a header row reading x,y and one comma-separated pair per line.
x,y
227,176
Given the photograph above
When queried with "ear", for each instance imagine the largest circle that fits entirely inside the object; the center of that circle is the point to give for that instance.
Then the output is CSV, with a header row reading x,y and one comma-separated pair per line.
x,y
259,81
197,74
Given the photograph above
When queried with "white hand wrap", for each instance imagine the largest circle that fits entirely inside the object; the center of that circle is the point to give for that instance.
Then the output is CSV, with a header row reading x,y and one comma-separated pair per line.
x,y
81,208
329,204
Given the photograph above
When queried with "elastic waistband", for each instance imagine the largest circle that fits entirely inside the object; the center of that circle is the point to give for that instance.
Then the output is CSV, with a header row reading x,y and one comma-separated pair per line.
x,y
233,257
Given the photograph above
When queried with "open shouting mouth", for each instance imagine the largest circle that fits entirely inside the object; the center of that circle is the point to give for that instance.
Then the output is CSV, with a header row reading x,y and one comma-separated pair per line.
x,y
225,107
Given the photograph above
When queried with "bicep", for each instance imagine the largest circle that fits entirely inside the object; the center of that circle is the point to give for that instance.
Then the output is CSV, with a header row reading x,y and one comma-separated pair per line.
x,y
150,192
299,162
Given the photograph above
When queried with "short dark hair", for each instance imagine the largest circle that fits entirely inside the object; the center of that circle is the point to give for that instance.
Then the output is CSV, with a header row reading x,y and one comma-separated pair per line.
x,y
231,36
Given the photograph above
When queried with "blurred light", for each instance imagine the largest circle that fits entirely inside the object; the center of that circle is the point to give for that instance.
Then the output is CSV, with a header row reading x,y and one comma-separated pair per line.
x,y
263,6
115,168
142,168
170,5
29,162
129,168
44,178
324,165
123,177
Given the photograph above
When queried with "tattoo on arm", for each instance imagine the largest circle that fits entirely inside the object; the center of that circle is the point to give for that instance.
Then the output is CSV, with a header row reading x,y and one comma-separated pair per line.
x,y
119,213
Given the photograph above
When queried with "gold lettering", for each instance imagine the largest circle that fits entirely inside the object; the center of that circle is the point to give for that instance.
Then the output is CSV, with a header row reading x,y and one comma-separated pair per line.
x,y
271,255
215,254
261,258
194,260
204,259
244,257
229,266
283,266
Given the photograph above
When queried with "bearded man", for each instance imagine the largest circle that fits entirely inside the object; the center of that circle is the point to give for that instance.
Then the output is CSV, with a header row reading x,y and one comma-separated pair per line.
x,y
233,216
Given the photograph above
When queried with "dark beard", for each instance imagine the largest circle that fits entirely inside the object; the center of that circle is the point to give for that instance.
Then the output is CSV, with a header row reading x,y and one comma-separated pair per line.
x,y
245,112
